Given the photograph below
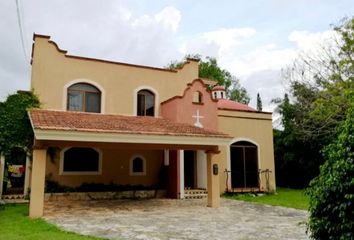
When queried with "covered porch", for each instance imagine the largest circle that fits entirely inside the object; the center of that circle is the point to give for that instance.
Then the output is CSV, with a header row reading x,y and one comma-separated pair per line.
x,y
110,133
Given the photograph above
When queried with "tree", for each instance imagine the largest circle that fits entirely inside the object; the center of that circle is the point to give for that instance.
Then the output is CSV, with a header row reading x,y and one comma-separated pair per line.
x,y
332,192
259,103
296,160
210,69
320,81
320,86
15,127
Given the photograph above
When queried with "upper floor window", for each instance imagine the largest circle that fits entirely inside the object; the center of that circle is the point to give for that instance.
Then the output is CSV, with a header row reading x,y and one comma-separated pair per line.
x,y
146,103
197,97
83,97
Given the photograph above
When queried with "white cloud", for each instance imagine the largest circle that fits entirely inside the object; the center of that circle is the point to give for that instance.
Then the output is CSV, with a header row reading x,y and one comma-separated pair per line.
x,y
226,39
307,41
257,66
217,43
170,17
263,58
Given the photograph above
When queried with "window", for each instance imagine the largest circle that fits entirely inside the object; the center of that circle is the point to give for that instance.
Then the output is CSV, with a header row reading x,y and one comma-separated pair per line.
x,y
78,160
83,97
197,97
146,103
137,166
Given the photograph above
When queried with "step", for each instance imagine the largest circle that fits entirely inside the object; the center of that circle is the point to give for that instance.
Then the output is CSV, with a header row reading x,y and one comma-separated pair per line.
x,y
13,197
195,193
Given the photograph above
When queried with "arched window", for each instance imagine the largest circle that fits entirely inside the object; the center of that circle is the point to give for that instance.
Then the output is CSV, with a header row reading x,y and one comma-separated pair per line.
x,y
146,103
80,160
137,166
83,97
197,97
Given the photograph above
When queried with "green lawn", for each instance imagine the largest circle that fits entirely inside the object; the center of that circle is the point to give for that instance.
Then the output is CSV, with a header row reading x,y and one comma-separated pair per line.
x,y
15,224
285,197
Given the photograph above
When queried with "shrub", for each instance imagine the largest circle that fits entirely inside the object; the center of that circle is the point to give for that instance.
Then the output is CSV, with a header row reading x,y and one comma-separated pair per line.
x,y
332,192
55,187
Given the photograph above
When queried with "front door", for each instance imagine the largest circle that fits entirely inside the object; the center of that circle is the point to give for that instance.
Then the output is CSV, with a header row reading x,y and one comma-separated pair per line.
x,y
244,165
189,169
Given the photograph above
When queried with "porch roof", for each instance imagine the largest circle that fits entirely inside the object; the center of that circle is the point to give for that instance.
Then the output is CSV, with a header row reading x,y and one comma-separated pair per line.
x,y
88,127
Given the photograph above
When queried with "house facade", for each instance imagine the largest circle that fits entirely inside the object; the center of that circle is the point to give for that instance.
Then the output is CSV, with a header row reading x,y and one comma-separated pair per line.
x,y
110,122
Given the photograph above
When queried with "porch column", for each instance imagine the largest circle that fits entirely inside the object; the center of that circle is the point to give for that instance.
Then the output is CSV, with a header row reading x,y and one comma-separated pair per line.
x,y
37,183
181,174
27,176
201,169
2,170
228,168
213,181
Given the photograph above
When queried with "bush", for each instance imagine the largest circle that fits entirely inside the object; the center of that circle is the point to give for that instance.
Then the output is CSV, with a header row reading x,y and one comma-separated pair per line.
x,y
55,187
332,192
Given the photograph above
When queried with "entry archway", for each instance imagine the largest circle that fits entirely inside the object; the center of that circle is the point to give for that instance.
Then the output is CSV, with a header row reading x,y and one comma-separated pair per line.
x,y
244,165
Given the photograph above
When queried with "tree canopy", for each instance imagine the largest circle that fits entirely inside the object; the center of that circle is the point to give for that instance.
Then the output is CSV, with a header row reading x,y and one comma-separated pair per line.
x,y
15,127
210,69
321,84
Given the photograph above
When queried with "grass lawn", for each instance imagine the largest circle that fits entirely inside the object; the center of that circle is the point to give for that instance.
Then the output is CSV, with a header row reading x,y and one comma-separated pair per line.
x,y
15,224
285,197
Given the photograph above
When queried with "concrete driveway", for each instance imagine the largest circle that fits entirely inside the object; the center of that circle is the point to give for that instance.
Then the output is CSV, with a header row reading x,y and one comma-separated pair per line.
x,y
177,219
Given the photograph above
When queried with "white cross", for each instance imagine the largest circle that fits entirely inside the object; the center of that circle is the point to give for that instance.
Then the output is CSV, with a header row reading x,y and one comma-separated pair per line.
x,y
198,117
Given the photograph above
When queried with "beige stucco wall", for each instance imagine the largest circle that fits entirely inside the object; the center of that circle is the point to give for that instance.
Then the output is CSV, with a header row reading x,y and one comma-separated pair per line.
x,y
115,168
253,127
52,71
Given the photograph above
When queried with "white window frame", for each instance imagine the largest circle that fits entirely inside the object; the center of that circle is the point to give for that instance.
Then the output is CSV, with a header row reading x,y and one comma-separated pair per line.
x,y
61,164
131,173
87,81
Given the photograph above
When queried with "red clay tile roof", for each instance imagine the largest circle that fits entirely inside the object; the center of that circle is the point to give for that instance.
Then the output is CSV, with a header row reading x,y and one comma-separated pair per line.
x,y
218,87
96,122
232,105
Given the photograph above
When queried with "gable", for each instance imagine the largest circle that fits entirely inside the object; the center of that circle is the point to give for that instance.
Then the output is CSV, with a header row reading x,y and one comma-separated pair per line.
x,y
187,108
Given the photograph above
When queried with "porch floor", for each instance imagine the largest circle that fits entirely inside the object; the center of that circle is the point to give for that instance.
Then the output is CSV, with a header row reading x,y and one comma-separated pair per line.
x,y
177,219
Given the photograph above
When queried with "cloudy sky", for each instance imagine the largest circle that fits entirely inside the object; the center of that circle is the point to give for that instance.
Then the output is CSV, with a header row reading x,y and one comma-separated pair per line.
x,y
252,39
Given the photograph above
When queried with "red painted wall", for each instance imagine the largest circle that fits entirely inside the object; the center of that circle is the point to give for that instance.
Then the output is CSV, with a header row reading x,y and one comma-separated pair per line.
x,y
173,175
182,108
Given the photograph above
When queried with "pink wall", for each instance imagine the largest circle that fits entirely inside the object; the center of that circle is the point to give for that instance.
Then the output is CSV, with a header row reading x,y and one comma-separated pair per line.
x,y
182,108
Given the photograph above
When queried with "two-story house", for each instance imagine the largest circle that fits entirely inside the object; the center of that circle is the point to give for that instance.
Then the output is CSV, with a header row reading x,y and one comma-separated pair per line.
x,y
121,123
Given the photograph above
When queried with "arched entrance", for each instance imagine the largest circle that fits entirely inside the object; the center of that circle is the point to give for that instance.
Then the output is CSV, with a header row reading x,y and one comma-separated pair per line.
x,y
244,165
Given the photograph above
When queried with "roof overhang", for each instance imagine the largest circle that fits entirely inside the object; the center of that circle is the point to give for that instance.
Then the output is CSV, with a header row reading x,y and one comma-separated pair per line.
x,y
121,138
